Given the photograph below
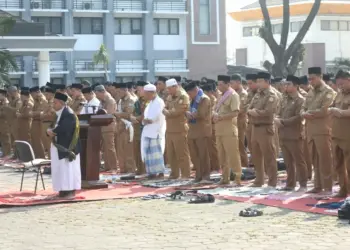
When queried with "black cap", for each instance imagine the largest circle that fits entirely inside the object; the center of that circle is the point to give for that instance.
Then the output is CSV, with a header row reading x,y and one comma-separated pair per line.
x,y
141,83
236,77
61,97
121,85
25,92
326,77
252,77
77,86
94,85
49,90
34,89
207,87
293,79
108,83
130,85
162,78
264,75
2,91
304,80
42,89
59,86
278,79
315,71
192,85
177,78
224,78
87,90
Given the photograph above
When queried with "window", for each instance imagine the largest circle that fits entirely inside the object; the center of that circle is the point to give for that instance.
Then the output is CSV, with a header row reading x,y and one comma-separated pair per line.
x,y
88,25
296,26
128,79
204,17
92,80
331,25
334,25
277,28
53,25
343,25
251,31
325,25
128,26
166,26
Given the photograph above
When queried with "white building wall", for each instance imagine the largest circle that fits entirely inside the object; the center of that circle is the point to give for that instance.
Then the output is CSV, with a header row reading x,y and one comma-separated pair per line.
x,y
128,42
88,42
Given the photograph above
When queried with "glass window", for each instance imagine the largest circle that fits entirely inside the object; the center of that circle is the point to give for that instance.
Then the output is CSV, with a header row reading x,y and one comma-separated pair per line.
x,y
125,26
247,31
277,28
53,25
155,27
325,25
334,25
77,26
88,25
204,17
96,26
163,27
117,26
296,26
57,80
136,26
343,25
255,31
174,27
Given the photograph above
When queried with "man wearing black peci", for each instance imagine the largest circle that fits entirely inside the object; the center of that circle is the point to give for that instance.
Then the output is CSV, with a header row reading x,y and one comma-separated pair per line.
x,y
65,149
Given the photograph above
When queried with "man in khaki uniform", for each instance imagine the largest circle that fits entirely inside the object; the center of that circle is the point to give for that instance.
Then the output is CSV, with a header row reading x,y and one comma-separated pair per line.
x,y
200,130
262,111
78,98
136,119
315,111
15,104
252,90
40,103
236,84
209,90
291,135
279,95
108,103
125,130
225,119
24,116
47,117
161,88
4,126
340,136
176,106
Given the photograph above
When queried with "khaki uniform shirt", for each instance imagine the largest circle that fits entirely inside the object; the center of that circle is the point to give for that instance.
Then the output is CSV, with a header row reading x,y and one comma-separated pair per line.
x,y
202,127
76,104
228,126
126,106
110,106
243,98
266,103
49,112
341,125
40,105
250,97
177,106
3,119
13,107
137,126
25,110
302,92
319,100
163,94
293,128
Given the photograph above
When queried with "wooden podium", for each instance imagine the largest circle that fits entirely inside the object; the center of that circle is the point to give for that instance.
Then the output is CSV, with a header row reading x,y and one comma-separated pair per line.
x,y
90,137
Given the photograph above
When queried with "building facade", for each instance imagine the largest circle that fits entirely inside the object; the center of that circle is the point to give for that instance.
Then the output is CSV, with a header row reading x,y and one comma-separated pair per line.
x,y
326,40
144,38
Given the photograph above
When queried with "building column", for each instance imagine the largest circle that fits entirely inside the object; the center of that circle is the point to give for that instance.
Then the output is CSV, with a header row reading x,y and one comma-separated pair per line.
x,y
43,67
108,38
68,30
148,47
27,78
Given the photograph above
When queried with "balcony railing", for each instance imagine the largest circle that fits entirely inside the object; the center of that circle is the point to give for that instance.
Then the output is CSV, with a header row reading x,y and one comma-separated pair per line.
x,y
55,66
88,66
129,5
169,6
47,4
90,5
20,66
11,4
177,65
131,66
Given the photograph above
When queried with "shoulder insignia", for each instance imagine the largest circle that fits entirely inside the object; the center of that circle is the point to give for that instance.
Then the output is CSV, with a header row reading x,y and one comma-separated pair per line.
x,y
329,96
271,99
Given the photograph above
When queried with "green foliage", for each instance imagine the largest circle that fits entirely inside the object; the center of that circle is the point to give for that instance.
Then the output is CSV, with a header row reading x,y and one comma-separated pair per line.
x,y
101,57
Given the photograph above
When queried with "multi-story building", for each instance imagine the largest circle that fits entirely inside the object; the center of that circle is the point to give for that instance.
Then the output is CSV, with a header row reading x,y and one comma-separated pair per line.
x,y
144,38
326,40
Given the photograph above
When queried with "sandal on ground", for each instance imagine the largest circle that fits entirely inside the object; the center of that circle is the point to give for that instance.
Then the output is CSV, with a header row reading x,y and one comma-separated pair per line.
x,y
248,212
199,199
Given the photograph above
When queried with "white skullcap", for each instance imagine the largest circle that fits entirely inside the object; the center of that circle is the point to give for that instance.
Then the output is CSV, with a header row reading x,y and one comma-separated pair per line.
x,y
171,82
150,88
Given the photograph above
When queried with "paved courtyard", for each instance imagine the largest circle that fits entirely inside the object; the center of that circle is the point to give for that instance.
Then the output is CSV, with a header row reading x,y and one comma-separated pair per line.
x,y
160,224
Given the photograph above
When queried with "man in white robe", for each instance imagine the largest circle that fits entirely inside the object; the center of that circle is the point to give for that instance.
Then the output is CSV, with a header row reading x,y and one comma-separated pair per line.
x,y
65,149
153,133
92,104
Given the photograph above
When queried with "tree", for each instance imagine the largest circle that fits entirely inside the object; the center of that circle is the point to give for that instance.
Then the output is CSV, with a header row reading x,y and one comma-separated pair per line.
x,y
286,58
7,61
101,57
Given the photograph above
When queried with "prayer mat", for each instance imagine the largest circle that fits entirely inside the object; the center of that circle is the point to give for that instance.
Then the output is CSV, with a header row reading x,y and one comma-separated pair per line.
x,y
118,191
166,183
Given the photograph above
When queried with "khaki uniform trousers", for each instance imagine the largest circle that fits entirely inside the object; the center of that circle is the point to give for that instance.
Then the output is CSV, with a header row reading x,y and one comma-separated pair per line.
x,y
277,143
293,156
264,154
213,153
178,154
248,135
108,148
5,139
140,166
242,128
126,153
308,160
36,137
229,156
13,127
341,154
320,149
24,130
46,139
199,152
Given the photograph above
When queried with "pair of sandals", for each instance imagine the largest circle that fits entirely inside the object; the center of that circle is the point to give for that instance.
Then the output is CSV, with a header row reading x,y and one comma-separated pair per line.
x,y
249,212
196,197
153,197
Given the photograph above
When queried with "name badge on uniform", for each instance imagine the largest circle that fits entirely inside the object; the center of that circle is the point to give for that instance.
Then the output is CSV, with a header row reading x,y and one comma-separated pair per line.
x,y
271,99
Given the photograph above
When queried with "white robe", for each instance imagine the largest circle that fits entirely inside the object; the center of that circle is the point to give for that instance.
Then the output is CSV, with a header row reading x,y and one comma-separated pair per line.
x,y
66,176
91,106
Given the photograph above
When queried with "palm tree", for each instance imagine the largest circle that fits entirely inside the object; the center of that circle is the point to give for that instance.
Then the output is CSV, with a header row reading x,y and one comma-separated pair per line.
x,y
7,61
101,57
